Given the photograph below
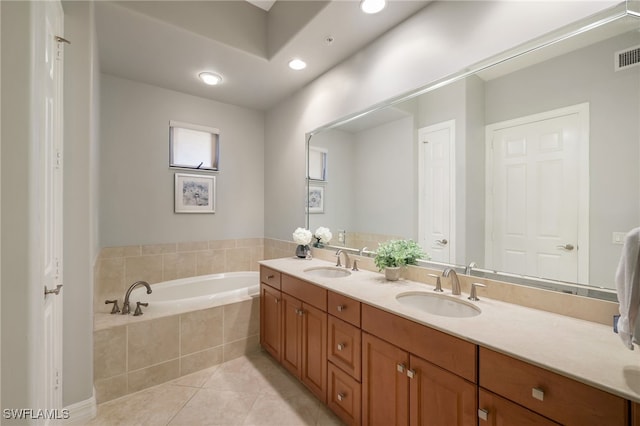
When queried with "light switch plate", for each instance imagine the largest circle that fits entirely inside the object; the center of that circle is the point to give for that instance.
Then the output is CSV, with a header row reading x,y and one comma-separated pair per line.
x,y
618,237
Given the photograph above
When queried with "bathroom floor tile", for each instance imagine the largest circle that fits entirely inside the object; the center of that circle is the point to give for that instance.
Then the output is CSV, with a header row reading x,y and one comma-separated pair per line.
x,y
250,390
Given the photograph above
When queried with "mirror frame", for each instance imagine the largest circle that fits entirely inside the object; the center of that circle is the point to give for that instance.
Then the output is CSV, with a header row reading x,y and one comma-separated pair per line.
x,y
621,11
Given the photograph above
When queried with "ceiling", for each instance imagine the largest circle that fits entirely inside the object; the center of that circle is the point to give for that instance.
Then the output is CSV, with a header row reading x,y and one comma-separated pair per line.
x,y
168,43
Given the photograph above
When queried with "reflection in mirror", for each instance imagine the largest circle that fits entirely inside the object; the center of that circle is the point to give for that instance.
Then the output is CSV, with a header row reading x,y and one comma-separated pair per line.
x,y
527,168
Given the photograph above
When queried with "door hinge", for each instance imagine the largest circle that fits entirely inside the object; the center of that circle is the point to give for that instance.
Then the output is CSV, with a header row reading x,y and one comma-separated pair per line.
x,y
58,160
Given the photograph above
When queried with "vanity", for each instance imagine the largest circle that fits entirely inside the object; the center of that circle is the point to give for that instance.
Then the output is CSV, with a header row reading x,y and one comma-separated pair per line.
x,y
374,360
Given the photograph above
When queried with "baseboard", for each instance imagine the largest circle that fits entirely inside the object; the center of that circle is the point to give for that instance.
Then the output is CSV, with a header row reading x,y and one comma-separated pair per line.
x,y
83,411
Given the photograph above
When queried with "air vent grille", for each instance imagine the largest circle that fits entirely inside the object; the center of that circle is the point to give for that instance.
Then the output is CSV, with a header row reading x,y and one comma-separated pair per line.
x,y
627,58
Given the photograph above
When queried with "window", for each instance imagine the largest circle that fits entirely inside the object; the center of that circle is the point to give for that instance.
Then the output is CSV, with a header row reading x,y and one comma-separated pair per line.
x,y
193,146
317,164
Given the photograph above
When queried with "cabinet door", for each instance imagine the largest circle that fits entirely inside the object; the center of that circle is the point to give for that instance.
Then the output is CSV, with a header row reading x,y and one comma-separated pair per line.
x,y
344,346
497,411
635,414
270,320
385,386
438,397
314,351
291,357
343,395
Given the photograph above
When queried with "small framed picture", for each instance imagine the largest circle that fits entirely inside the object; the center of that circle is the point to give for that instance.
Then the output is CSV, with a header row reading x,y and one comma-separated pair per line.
x,y
195,193
315,200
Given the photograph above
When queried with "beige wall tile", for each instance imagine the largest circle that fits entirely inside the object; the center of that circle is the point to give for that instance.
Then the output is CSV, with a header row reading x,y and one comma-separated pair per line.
x,y
154,341
210,262
158,249
193,246
200,360
109,282
222,244
109,352
241,320
123,251
241,347
145,268
249,242
111,388
155,375
238,259
201,330
178,265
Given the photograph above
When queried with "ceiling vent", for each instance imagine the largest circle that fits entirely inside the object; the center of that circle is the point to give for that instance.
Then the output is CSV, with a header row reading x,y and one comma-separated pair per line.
x,y
627,58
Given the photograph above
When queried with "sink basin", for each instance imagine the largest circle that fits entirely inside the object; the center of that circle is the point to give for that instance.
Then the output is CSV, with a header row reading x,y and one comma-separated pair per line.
x,y
327,272
438,304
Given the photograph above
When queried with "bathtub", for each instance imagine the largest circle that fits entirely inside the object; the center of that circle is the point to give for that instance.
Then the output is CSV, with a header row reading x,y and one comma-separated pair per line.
x,y
200,292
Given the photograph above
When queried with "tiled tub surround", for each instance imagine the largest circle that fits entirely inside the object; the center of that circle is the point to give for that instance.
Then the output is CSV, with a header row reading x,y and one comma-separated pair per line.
x,y
144,353
133,353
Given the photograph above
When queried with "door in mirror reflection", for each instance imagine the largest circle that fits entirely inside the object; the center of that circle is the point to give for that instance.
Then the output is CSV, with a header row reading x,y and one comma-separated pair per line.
x,y
436,183
535,194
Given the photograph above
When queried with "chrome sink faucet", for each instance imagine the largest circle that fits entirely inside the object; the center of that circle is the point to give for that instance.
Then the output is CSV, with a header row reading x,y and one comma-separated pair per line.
x,y
347,262
455,283
126,309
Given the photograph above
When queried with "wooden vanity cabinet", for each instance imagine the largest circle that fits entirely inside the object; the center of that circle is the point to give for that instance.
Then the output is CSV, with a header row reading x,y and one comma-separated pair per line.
x,y
271,320
401,383
304,333
551,395
635,414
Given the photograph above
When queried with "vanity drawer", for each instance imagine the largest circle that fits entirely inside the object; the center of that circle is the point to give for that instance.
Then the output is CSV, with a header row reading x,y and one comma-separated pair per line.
x,y
270,277
344,396
441,349
345,346
344,307
307,292
552,395
501,412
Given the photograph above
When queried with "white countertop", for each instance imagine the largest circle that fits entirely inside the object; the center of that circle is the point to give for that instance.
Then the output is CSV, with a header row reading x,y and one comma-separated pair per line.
x,y
586,351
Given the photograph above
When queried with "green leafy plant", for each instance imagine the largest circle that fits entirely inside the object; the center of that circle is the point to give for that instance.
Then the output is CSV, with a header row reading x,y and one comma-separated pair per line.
x,y
395,253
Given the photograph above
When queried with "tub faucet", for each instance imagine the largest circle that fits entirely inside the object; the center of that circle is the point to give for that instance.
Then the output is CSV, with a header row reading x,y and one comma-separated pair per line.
x,y
125,306
469,268
455,283
347,263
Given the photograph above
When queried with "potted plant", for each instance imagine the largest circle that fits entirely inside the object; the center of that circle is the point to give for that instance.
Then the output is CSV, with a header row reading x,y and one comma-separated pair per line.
x,y
393,255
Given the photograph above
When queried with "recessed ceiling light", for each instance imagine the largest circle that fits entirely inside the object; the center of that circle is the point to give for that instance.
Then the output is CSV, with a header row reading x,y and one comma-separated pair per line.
x,y
210,78
372,6
297,64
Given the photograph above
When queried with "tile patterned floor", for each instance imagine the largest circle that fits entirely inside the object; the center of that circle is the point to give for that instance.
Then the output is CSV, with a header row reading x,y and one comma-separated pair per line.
x,y
252,390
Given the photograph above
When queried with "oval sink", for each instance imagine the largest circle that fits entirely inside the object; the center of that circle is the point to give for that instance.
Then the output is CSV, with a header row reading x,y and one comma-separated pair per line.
x,y
438,304
327,272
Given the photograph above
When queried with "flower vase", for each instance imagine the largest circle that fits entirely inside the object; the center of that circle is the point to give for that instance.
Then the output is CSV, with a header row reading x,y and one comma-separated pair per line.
x,y
302,250
318,243
392,273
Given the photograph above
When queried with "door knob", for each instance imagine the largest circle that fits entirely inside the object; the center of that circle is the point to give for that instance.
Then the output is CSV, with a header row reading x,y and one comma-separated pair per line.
x,y
567,247
55,291
442,242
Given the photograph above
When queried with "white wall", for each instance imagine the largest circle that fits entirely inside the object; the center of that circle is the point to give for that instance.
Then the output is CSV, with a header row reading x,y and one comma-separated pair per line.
x,y
137,186
441,39
80,240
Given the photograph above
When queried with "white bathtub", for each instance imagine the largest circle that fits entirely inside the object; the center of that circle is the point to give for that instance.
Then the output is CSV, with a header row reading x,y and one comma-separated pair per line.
x,y
201,292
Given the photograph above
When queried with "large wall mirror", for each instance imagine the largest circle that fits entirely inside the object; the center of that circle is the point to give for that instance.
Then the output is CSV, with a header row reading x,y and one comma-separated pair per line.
x,y
528,168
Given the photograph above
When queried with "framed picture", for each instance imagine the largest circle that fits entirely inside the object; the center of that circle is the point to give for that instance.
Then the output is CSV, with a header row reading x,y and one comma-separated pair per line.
x,y
315,199
195,193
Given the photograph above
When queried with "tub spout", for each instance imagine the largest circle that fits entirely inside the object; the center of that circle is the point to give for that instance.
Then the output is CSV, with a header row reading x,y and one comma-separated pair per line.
x,y
126,309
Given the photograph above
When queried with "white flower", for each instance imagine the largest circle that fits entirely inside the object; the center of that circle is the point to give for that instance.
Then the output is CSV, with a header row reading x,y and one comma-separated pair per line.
x,y
324,234
302,236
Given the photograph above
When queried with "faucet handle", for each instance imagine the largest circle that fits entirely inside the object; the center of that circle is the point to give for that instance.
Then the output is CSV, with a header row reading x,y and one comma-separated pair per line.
x,y
438,283
473,295
115,308
355,265
139,309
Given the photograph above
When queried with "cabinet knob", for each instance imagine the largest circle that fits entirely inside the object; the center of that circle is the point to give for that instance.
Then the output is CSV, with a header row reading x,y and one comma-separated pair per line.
x,y
483,414
341,346
538,394
270,277
341,396
401,368
411,373
341,308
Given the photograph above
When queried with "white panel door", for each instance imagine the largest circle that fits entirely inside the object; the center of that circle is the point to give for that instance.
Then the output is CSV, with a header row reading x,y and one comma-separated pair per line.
x,y
436,183
535,196
47,84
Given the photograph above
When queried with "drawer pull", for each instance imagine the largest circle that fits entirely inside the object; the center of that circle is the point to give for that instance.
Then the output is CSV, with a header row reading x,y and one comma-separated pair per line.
x,y
341,396
538,394
401,368
277,300
341,308
483,414
341,346
299,312
270,277
411,373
